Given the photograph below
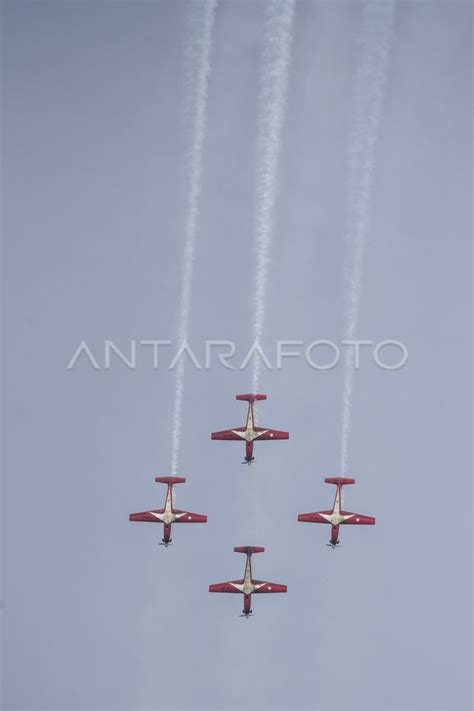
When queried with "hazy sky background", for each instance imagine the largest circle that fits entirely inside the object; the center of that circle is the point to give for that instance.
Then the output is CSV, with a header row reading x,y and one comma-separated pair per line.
x,y
97,616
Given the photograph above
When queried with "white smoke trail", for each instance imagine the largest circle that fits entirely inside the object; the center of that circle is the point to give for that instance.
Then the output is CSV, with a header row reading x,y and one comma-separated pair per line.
x,y
271,114
368,93
274,75
201,45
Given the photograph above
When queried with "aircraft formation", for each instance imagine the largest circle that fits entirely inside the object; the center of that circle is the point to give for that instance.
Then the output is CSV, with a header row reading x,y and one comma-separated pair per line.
x,y
250,433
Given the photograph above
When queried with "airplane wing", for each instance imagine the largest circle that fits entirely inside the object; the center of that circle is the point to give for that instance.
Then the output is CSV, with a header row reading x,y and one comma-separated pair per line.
x,y
266,587
315,517
228,434
357,519
226,587
147,516
271,434
189,517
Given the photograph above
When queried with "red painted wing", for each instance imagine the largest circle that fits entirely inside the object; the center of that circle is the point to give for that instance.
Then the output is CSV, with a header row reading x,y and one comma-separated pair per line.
x,y
225,587
146,516
228,434
268,587
189,517
271,434
357,519
314,517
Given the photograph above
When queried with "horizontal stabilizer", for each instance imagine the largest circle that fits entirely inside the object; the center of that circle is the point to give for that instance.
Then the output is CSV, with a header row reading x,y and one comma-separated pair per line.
x,y
339,480
249,549
170,479
250,397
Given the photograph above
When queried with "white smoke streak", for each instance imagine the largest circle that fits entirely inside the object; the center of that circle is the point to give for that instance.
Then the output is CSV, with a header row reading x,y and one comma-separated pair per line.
x,y
368,93
201,45
271,114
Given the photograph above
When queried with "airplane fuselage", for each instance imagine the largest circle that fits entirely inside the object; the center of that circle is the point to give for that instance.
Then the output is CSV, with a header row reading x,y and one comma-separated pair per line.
x,y
247,587
168,516
336,517
249,435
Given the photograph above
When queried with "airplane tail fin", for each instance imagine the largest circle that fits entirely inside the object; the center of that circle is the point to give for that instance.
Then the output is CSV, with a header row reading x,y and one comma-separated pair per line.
x,y
170,479
249,549
339,480
251,397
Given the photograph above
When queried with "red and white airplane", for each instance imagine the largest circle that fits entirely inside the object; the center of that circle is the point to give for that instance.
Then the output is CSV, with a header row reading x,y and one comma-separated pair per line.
x,y
247,585
337,517
168,515
250,432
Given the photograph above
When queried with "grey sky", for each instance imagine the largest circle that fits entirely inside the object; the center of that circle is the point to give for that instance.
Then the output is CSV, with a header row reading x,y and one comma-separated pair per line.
x,y
97,616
